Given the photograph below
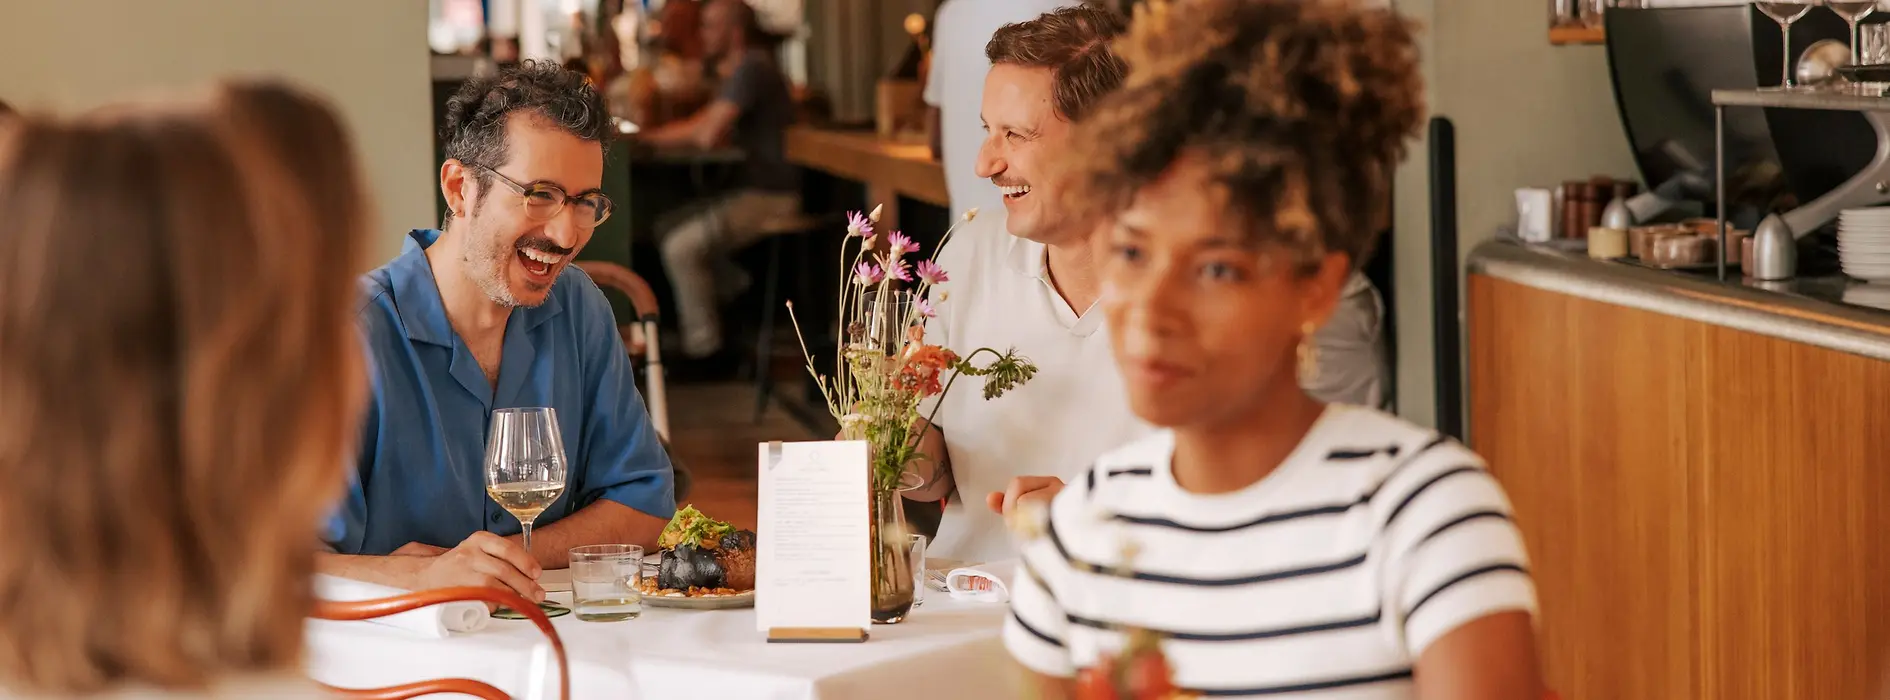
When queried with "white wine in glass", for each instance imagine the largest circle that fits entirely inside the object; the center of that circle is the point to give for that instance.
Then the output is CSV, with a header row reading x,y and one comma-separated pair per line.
x,y
525,466
1785,12
1852,12
526,499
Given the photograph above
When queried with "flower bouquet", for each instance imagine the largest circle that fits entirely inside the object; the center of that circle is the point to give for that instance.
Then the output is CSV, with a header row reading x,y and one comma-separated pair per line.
x,y
1139,670
884,371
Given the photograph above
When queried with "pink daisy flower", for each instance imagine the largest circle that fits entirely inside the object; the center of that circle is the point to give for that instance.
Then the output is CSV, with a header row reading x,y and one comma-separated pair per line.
x,y
925,307
900,244
858,224
867,273
899,270
931,273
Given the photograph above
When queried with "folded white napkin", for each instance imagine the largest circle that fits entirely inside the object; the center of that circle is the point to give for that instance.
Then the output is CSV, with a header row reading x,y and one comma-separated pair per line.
x,y
431,621
989,582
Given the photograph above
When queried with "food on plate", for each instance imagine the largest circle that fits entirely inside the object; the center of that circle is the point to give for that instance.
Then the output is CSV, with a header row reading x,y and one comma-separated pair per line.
x,y
702,556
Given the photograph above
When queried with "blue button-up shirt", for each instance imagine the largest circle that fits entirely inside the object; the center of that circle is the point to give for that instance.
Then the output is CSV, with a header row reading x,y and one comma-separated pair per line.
x,y
421,476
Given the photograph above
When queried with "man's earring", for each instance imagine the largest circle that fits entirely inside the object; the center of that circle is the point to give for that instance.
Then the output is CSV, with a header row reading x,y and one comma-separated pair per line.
x,y
1308,355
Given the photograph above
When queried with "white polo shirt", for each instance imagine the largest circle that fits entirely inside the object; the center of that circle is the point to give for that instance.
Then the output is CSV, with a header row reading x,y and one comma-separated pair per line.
x,y
956,87
1058,423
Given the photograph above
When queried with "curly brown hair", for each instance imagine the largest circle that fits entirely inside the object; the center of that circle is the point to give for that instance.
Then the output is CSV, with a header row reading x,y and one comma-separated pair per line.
x,y
1074,43
1301,109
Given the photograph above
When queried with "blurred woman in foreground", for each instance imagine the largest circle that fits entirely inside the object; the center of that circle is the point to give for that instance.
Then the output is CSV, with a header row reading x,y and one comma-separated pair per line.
x,y
181,380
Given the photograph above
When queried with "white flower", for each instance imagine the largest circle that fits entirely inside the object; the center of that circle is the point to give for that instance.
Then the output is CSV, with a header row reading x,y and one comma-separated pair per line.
x,y
971,213
874,217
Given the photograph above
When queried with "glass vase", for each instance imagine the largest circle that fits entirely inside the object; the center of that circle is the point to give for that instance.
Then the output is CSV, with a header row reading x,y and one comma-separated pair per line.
x,y
885,317
892,559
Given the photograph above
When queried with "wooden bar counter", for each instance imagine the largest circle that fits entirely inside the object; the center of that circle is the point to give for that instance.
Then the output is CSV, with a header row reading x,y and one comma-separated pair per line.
x,y
889,169
1701,470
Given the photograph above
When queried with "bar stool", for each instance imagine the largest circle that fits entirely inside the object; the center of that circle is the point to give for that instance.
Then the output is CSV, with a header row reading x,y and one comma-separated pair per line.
x,y
792,230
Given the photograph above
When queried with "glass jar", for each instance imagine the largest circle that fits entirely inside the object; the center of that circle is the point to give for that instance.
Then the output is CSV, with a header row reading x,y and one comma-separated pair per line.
x,y
1564,13
1591,12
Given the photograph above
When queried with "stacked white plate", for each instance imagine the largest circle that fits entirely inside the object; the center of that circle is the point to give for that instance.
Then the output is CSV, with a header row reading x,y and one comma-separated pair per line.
x,y
1864,243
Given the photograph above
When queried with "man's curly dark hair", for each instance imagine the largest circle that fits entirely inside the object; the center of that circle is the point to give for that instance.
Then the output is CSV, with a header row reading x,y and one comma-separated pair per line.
x,y
474,128
1301,108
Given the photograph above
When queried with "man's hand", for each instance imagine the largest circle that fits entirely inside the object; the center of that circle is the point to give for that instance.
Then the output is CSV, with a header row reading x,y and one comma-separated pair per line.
x,y
1024,488
484,559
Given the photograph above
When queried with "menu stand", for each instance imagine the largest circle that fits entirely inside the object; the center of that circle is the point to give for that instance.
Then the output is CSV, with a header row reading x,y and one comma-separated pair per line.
x,y
816,635
1864,189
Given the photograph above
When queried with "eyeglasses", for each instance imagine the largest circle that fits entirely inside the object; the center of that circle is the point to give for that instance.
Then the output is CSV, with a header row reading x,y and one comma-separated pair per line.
x,y
543,200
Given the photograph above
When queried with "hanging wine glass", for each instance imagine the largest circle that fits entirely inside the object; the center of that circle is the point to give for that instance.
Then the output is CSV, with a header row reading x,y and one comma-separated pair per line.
x,y
1785,12
1853,11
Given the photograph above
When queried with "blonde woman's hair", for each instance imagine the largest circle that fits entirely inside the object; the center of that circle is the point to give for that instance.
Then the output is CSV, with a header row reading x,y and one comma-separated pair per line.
x,y
180,385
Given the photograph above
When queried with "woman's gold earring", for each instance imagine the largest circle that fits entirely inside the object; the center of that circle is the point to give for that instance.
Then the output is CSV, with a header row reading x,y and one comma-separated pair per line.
x,y
1308,355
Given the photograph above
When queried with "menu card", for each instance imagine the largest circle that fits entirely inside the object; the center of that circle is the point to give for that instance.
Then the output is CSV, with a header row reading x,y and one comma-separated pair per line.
x,y
812,565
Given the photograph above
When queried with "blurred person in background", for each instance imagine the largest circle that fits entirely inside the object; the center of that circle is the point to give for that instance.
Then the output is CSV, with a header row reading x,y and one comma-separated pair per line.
x,y
668,82
752,110
182,380
954,90
489,312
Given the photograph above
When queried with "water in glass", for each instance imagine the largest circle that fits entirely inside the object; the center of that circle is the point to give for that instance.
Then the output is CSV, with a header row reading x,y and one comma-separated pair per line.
x,y
604,581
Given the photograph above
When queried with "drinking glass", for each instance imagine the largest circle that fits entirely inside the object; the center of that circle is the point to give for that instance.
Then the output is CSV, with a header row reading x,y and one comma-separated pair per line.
x,y
916,551
604,580
1853,11
886,316
1785,12
525,466
1876,43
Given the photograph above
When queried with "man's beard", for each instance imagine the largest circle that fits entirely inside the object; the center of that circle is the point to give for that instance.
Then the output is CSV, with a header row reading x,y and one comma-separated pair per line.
x,y
486,260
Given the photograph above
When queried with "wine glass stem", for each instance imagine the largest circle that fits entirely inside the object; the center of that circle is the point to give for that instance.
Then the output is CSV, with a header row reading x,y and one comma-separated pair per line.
x,y
527,526
1785,56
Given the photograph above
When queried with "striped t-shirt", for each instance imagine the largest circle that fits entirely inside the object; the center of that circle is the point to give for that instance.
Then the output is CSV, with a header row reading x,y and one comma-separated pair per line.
x,y
1326,579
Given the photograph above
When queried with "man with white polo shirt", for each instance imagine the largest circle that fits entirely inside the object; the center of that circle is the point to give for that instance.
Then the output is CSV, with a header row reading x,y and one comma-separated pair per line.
x,y
1027,276
1024,275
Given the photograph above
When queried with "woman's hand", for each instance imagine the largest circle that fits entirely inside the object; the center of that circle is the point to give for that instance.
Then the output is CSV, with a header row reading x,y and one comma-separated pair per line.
x,y
1024,488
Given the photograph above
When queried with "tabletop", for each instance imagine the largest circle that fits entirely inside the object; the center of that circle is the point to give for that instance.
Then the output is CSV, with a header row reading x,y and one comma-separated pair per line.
x,y
947,649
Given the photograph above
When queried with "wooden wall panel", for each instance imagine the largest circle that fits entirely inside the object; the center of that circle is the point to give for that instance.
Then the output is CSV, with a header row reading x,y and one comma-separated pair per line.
x,y
1706,508
1583,412
1795,505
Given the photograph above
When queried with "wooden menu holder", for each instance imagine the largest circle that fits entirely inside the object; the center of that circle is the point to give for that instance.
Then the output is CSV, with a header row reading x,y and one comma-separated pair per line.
x,y
816,635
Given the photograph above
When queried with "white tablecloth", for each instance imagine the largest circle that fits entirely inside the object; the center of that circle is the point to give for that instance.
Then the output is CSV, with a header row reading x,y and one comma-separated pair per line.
x,y
949,650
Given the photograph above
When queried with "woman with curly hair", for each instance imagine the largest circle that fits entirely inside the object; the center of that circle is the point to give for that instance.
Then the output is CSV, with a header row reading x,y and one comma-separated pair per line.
x,y
1262,543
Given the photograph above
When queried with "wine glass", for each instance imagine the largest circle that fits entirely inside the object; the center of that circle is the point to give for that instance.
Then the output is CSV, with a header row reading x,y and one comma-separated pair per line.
x,y
1853,11
1785,12
525,466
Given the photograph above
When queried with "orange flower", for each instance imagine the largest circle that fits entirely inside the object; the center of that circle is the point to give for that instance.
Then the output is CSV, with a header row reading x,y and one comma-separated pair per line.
x,y
922,367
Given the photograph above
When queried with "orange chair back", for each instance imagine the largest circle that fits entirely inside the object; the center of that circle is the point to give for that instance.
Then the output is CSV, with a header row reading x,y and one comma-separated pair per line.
x,y
382,607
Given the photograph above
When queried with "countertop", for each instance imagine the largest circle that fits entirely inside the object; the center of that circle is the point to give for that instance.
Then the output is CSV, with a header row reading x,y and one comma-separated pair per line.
x,y
1828,311
900,168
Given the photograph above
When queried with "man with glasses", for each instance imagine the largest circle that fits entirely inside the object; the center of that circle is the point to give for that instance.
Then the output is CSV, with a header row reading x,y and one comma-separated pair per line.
x,y
486,313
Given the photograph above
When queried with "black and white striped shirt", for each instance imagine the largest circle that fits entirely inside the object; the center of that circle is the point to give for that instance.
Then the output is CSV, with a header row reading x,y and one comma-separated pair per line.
x,y
1325,579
